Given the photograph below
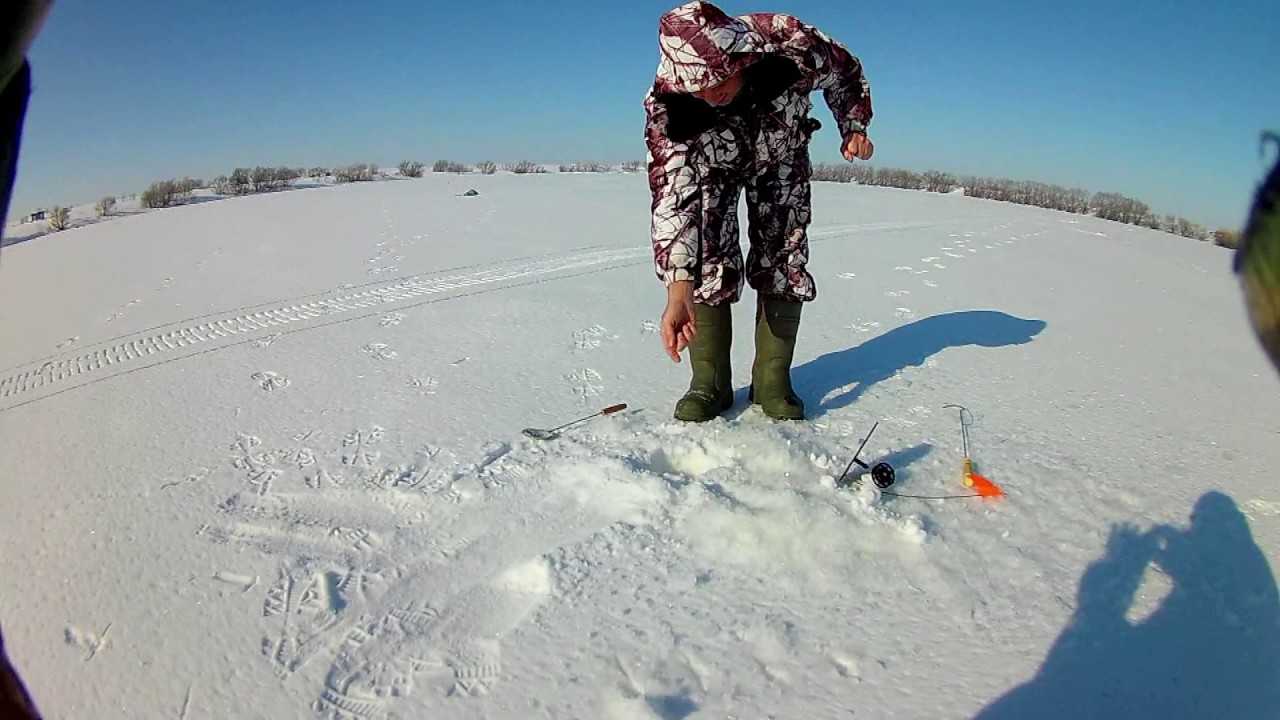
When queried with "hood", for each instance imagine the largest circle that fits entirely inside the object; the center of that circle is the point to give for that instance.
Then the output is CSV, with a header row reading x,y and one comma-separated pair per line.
x,y
701,46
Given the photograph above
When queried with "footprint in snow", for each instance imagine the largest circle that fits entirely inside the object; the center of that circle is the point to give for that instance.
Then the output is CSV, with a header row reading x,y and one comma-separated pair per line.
x,y
846,666
87,641
266,341
380,351
270,381
426,386
590,338
864,327
1257,508
586,382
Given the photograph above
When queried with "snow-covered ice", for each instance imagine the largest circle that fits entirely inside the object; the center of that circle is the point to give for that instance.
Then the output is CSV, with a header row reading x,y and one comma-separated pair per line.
x,y
264,459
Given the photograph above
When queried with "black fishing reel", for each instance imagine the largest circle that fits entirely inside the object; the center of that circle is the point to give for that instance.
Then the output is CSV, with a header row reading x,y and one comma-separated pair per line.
x,y
882,473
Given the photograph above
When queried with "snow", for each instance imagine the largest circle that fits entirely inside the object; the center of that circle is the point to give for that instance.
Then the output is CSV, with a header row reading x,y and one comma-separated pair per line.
x,y
264,459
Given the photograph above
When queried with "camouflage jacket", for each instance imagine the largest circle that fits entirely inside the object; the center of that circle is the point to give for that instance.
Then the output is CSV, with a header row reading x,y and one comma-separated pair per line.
x,y
690,142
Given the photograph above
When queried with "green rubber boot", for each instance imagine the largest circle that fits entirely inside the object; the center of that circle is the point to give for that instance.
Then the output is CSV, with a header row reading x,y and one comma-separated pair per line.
x,y
711,389
777,324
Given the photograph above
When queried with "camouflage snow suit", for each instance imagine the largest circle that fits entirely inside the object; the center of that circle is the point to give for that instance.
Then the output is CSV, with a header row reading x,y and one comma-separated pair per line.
x,y
701,157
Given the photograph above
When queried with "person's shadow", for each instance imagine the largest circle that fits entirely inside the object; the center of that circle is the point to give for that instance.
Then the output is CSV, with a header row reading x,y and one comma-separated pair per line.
x,y
883,356
1211,649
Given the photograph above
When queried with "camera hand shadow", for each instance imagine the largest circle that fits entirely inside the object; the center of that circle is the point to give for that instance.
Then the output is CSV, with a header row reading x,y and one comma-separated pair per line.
x,y
1210,650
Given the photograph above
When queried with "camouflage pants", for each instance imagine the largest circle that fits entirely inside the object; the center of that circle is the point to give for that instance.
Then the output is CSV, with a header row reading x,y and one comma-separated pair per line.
x,y
778,216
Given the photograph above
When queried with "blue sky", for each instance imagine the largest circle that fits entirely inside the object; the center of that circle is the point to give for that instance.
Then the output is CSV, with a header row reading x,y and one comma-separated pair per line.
x,y
1161,100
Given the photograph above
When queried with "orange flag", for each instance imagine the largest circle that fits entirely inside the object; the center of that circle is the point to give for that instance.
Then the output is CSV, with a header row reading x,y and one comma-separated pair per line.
x,y
984,487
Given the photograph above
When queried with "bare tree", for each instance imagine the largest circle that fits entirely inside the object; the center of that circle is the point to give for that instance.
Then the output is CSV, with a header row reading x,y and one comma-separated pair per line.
x,y
185,188
1076,200
105,206
411,169
267,179
1117,207
585,167
161,194
823,172
262,179
1184,227
938,181
360,172
525,167
240,182
59,218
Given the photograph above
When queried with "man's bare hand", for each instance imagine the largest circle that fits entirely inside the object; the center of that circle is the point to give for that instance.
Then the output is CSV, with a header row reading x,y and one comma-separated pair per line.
x,y
678,326
857,145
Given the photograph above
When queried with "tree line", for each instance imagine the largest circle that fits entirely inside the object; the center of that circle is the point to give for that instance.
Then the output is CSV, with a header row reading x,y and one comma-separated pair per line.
x,y
1105,205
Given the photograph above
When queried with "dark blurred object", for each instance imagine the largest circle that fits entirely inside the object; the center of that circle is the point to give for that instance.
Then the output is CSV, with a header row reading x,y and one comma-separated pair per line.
x,y
15,702
20,22
13,109
1257,260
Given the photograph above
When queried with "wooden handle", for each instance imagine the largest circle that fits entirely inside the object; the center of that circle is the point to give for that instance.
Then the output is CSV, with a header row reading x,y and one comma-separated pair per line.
x,y
613,409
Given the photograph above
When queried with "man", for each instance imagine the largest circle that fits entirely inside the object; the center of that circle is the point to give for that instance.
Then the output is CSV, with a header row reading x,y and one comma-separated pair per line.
x,y
729,111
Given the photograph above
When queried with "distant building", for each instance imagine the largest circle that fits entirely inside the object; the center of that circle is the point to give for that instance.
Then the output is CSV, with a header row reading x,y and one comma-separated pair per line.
x,y
37,215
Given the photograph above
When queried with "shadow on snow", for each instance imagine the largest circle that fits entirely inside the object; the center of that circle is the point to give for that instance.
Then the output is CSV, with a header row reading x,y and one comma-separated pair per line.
x,y
881,357
1210,650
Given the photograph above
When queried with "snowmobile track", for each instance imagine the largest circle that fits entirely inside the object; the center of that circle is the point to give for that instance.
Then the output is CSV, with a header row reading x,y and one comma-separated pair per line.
x,y
194,336
55,374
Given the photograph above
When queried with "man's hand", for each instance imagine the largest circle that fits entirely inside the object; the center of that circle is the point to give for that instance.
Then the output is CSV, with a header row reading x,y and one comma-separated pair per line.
x,y
857,145
678,326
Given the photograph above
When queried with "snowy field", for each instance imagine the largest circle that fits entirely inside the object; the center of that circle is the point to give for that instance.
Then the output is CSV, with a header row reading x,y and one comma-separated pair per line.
x,y
263,459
